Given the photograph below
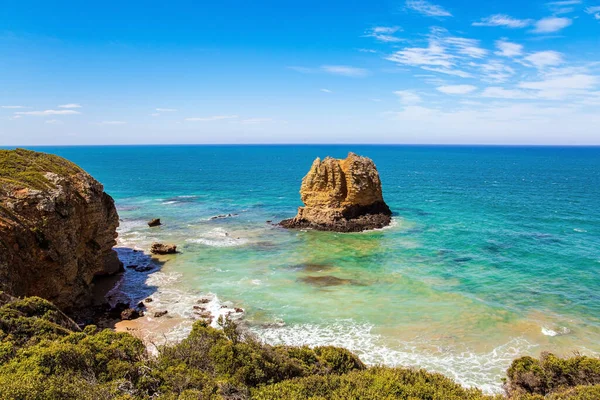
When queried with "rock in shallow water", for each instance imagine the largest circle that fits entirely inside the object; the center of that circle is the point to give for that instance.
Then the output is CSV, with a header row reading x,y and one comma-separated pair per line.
x,y
154,222
160,248
341,196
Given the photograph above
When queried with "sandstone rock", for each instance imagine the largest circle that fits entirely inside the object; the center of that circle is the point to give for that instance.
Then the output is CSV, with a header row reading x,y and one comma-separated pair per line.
x,y
154,222
342,196
160,248
57,229
131,313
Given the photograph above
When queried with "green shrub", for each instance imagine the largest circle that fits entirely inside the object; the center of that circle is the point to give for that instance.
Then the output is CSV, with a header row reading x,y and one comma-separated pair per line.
x,y
551,373
374,383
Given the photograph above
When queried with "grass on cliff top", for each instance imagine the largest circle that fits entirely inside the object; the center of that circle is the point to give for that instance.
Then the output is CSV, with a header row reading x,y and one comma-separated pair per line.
x,y
44,355
22,168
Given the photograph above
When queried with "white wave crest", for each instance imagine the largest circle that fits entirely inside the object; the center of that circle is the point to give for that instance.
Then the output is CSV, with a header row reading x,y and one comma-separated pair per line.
x,y
482,370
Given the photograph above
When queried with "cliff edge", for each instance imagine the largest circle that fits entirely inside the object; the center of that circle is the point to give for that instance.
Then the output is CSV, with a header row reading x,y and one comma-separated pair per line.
x,y
57,229
342,196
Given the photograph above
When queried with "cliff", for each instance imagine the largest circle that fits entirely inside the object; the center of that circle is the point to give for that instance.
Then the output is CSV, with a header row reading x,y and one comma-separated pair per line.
x,y
57,229
341,195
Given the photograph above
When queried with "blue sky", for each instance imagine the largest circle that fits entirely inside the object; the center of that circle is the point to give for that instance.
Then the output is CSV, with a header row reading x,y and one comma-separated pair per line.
x,y
414,72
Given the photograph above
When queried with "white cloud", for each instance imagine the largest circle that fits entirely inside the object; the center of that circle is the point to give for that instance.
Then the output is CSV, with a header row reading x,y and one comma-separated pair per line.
x,y
508,49
433,55
502,93
503,20
467,47
496,71
213,118
326,91
515,123
48,112
166,109
384,33
427,8
543,59
11,107
595,11
457,89
563,3
113,123
408,97
551,24
155,114
345,70
560,87
448,71
256,121
70,105
54,122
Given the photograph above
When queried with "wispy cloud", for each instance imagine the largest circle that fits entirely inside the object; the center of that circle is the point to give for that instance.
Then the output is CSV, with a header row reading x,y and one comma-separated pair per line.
x,y
560,87
503,20
502,93
457,89
427,8
384,33
113,123
302,70
543,59
595,11
508,49
496,71
48,112
408,97
10,107
212,118
551,24
54,122
326,91
345,70
256,121
166,109
70,105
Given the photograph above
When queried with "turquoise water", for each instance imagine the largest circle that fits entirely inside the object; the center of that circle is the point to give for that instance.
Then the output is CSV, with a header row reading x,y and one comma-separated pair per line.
x,y
494,251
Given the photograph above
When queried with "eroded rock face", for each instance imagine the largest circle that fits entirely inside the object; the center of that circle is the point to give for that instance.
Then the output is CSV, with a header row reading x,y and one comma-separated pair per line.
x,y
341,195
57,229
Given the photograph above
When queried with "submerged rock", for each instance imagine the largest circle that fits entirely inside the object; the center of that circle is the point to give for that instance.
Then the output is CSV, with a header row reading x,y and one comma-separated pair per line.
x,y
327,280
341,196
160,248
154,222
57,229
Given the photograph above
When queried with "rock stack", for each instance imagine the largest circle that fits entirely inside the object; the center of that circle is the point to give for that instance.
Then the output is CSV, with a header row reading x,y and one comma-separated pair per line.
x,y
341,196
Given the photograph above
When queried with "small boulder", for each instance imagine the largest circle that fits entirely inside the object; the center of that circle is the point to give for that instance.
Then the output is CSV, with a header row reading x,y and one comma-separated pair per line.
x,y
160,248
154,222
148,300
159,314
130,313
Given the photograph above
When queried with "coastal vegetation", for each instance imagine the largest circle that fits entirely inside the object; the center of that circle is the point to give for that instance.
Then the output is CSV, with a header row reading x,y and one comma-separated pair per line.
x,y
45,355
26,168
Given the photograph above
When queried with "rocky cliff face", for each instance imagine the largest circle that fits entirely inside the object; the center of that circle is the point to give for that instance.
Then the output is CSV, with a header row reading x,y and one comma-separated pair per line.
x,y
57,229
341,195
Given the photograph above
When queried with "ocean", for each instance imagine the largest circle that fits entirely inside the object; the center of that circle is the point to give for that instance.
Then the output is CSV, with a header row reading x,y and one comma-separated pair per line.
x,y
494,252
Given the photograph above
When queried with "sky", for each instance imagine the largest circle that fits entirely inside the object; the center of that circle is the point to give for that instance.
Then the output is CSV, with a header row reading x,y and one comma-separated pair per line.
x,y
279,71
